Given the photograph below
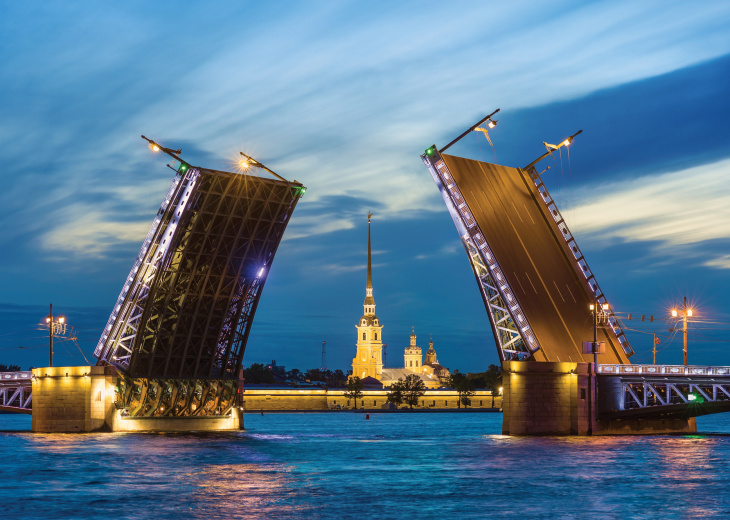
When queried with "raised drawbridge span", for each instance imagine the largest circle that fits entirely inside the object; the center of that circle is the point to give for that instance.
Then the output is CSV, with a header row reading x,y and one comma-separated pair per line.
x,y
533,278
178,330
537,289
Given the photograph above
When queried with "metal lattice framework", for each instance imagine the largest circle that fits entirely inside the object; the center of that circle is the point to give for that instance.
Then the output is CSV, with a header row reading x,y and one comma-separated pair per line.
x,y
16,392
515,339
186,308
664,389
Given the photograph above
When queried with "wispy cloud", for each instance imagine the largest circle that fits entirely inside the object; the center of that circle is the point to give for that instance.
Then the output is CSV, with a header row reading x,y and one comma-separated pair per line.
x,y
679,211
90,234
720,262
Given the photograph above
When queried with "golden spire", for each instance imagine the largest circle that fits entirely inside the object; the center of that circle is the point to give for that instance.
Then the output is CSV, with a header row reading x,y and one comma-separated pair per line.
x,y
369,300
370,267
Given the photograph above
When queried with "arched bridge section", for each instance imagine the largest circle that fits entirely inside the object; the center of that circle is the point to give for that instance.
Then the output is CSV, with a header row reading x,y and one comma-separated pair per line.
x,y
533,278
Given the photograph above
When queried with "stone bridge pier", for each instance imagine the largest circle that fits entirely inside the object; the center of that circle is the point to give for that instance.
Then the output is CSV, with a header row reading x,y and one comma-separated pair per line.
x,y
83,399
548,398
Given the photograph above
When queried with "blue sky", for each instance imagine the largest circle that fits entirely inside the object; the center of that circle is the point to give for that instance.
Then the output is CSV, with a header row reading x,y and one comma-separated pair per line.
x,y
344,96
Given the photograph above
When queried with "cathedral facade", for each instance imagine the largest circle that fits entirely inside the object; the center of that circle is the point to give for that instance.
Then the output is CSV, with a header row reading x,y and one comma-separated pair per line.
x,y
368,360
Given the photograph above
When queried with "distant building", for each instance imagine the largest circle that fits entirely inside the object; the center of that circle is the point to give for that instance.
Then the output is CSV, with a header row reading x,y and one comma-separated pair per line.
x,y
368,360
431,372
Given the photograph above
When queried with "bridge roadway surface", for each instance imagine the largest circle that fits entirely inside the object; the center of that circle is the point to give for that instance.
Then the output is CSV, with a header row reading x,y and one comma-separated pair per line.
x,y
536,261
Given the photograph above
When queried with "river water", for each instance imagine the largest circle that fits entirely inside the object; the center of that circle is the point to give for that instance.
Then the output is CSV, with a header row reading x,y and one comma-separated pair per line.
x,y
340,465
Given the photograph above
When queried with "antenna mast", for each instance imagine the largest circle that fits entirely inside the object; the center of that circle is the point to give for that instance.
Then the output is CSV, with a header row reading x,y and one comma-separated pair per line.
x,y
324,357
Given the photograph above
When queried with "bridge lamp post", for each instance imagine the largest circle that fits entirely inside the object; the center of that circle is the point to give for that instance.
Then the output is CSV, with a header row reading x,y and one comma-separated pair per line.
x,y
55,326
595,347
685,313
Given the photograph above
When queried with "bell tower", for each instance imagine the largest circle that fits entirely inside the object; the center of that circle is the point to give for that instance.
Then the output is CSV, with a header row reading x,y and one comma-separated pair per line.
x,y
412,355
368,361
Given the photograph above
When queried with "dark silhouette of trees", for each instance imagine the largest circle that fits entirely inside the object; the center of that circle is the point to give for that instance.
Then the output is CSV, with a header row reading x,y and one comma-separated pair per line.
x,y
9,368
258,374
463,385
315,374
338,379
354,389
396,393
413,390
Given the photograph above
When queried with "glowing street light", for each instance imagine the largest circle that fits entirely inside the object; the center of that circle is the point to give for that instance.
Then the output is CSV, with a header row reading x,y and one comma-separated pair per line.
x,y
551,148
683,313
55,326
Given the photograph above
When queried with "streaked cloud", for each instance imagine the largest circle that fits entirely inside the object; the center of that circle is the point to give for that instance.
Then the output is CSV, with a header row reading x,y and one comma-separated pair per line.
x,y
679,211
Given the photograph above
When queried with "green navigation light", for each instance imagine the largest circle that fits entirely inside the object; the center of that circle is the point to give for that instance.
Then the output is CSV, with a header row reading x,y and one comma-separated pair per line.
x,y
695,398
430,150
183,167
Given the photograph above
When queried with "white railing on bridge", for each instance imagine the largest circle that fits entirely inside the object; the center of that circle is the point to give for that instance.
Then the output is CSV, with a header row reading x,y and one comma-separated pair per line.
x,y
16,391
664,370
15,376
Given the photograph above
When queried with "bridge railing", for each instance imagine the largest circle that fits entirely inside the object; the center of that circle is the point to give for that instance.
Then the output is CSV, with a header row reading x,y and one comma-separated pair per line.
x,y
16,392
665,370
16,376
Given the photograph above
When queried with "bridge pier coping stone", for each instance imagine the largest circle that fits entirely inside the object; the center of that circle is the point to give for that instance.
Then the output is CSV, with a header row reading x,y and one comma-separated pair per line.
x,y
557,398
81,400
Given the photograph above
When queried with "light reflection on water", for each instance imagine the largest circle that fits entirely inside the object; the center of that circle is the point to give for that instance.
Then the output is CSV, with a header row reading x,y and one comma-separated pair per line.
x,y
339,465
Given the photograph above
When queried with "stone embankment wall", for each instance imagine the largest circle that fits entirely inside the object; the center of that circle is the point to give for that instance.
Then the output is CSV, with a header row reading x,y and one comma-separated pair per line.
x,y
274,399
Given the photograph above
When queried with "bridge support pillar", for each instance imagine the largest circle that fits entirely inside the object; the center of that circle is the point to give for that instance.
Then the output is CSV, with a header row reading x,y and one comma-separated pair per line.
x,y
544,398
81,399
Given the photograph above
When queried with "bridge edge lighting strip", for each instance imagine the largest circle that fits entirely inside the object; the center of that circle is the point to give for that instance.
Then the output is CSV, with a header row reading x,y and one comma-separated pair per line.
x,y
136,287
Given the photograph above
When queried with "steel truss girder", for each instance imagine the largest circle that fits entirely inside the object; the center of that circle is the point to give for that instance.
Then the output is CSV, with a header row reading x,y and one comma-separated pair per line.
x,y
657,394
512,332
16,392
188,309
117,341
174,397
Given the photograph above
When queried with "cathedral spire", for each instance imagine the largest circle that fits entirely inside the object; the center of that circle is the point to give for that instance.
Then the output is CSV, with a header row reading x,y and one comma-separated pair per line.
x,y
370,266
369,300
